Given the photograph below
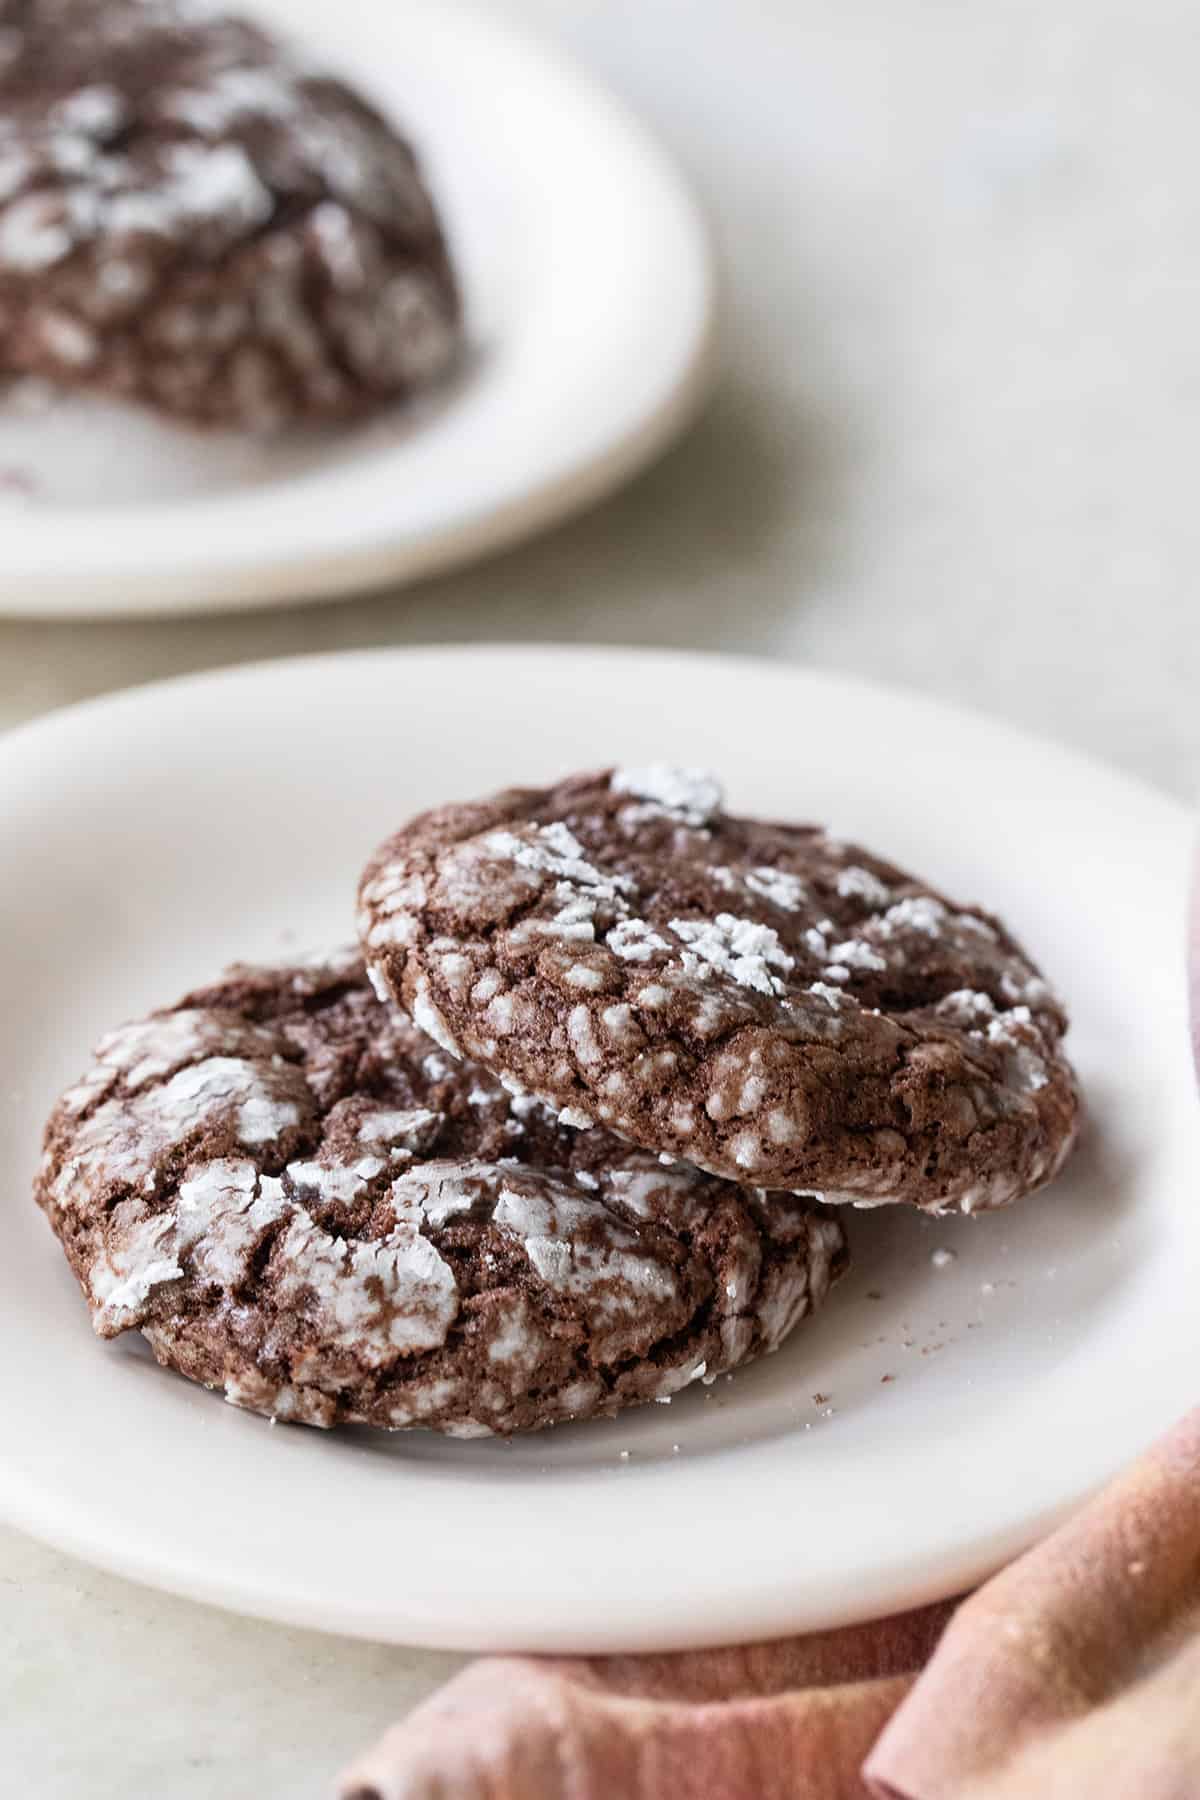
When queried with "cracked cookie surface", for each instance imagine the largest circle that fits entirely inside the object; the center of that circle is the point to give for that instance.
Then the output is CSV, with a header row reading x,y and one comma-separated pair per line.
x,y
300,1199
769,1003
192,218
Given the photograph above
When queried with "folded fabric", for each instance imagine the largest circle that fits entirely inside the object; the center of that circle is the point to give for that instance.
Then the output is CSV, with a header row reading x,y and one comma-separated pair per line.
x,y
1072,1675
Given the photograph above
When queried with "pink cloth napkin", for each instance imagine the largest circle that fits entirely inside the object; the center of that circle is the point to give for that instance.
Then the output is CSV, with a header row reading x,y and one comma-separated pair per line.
x,y
1073,1675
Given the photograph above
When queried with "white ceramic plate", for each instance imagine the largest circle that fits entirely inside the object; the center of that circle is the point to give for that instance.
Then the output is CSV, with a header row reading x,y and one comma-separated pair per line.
x,y
589,298
148,839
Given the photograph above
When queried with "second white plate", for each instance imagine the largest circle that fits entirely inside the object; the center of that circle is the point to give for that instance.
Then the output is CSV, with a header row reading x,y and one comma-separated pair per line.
x,y
589,299
927,1425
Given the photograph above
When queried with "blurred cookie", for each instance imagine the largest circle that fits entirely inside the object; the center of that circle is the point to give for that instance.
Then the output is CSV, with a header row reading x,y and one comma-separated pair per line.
x,y
191,218
762,1000
298,1198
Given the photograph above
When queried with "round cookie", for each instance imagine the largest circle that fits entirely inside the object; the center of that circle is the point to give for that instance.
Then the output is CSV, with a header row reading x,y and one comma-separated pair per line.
x,y
297,1197
191,218
773,1005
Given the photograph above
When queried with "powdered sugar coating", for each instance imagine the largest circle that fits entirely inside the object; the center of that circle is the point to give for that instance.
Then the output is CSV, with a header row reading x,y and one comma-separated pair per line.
x,y
549,850
125,1140
855,883
151,1049
191,216
549,1222
298,1199
694,795
635,941
779,886
746,952
763,1000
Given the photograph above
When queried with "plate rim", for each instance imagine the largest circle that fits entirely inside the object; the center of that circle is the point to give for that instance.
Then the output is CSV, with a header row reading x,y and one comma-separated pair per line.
x,y
854,686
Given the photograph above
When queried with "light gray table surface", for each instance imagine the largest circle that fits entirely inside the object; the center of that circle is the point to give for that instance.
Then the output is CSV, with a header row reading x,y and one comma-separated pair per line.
x,y
953,446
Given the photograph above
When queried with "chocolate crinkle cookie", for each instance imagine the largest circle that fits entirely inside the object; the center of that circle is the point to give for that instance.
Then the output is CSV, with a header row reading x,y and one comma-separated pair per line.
x,y
771,1004
300,1199
191,218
